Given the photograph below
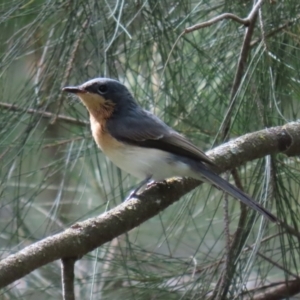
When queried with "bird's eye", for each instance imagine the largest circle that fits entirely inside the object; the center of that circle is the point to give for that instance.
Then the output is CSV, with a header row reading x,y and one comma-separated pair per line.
x,y
102,88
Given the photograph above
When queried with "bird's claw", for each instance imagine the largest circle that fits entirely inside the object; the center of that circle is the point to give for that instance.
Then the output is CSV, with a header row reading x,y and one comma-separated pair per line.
x,y
132,194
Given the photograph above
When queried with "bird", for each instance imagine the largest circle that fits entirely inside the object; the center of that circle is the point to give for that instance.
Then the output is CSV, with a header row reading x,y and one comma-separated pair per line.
x,y
141,144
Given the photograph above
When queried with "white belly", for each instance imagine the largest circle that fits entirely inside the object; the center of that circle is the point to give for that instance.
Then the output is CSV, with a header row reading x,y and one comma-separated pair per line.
x,y
137,161
144,162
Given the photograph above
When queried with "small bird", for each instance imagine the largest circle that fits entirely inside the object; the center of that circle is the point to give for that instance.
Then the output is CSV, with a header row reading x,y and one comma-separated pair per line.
x,y
141,144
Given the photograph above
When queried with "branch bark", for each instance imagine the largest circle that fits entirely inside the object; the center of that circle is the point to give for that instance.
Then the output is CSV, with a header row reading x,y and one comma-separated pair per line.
x,y
283,291
84,237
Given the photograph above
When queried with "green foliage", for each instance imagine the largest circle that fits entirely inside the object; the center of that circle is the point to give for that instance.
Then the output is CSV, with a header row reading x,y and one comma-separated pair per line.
x,y
52,174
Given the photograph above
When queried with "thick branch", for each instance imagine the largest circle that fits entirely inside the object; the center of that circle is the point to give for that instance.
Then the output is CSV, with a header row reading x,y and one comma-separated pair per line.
x,y
85,236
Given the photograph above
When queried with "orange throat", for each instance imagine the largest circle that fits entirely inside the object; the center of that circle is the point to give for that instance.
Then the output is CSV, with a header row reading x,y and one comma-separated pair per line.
x,y
100,134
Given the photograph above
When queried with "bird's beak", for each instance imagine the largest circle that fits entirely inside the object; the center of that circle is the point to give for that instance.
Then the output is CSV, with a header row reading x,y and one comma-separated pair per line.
x,y
74,90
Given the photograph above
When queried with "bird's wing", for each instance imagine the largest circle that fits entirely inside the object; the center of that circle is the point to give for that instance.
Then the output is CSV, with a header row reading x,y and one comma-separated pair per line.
x,y
141,128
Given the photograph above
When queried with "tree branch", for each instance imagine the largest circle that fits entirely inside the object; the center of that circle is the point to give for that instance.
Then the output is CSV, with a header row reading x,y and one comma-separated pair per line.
x,y
283,291
84,237
226,123
247,21
67,277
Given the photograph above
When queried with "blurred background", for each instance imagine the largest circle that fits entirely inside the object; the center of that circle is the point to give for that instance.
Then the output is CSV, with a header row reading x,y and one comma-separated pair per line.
x,y
52,174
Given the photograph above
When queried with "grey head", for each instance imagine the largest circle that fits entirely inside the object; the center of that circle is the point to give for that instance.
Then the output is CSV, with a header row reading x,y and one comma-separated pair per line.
x,y
103,92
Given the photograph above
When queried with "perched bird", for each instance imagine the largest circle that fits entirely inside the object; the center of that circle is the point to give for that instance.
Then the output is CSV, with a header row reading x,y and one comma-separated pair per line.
x,y
141,144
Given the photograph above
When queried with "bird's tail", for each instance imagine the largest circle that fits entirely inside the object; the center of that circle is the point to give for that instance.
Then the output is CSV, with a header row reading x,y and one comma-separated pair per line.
x,y
227,187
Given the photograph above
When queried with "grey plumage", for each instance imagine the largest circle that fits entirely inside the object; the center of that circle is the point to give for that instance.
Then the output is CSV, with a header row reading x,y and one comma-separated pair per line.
x,y
151,148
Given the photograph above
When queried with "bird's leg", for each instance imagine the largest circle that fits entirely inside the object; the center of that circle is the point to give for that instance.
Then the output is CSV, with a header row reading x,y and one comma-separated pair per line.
x,y
140,185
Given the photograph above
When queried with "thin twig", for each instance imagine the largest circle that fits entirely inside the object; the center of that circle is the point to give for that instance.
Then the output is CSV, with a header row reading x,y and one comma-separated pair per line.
x,y
40,67
60,143
44,114
228,253
238,183
262,29
245,250
247,21
225,126
274,31
277,265
217,19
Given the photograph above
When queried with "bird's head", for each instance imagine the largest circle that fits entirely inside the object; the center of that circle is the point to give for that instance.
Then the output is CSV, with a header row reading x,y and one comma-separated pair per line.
x,y
103,96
